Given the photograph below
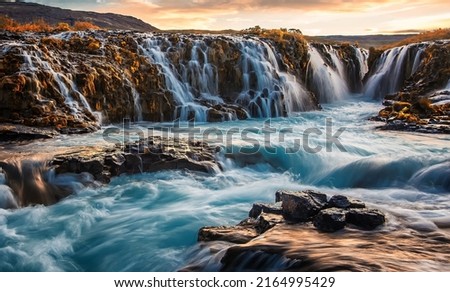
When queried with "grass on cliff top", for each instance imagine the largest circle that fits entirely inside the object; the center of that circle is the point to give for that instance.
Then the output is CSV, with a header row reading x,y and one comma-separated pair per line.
x,y
279,34
11,25
433,35
275,34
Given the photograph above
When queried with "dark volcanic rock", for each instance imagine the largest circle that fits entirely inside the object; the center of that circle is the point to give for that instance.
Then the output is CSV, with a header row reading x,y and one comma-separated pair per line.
x,y
344,202
301,206
104,163
27,175
330,220
365,218
266,208
270,243
400,125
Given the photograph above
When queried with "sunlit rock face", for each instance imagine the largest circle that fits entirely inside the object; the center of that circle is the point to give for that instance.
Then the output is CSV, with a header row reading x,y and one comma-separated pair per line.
x,y
71,81
74,81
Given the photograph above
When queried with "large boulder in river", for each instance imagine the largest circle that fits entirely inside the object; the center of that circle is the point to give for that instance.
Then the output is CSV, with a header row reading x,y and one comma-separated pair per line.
x,y
301,206
270,240
368,219
330,220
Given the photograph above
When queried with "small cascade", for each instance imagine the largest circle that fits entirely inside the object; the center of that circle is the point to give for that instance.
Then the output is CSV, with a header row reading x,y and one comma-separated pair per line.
x,y
442,96
7,199
158,50
362,56
200,74
30,182
35,61
327,74
392,68
267,91
136,99
356,68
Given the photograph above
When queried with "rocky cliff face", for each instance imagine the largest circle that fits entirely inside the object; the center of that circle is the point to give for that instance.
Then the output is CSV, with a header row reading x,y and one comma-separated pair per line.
x,y
72,81
414,81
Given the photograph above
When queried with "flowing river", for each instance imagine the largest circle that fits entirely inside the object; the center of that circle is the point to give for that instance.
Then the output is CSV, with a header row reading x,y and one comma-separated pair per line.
x,y
149,221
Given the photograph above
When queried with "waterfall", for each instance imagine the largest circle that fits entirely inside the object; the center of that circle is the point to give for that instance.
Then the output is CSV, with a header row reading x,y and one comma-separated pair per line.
x,y
201,75
35,60
158,49
392,68
136,100
267,90
441,96
363,56
190,77
328,76
193,80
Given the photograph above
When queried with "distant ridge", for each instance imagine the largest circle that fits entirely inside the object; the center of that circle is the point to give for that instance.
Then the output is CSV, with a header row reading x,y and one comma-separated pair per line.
x,y
27,12
364,41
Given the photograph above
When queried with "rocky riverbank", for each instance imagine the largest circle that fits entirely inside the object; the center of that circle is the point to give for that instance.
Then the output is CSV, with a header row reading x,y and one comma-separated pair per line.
x,y
310,231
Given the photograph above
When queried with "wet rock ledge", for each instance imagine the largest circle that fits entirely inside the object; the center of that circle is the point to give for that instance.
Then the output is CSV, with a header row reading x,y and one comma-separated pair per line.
x,y
146,155
28,177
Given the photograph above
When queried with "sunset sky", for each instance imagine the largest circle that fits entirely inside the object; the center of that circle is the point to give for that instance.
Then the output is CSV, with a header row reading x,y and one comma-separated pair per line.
x,y
313,17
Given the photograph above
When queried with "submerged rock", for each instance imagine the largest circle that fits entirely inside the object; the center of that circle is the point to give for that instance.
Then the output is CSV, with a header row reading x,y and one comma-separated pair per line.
x,y
18,133
245,231
266,221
